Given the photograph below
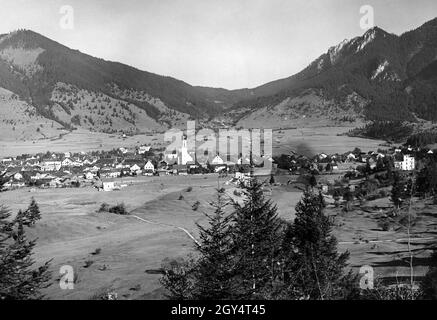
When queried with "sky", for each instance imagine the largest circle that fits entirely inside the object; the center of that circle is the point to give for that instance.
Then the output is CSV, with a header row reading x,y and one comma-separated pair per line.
x,y
217,43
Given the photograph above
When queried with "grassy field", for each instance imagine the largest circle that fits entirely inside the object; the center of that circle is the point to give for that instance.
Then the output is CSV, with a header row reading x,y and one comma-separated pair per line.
x,y
307,140
311,141
71,230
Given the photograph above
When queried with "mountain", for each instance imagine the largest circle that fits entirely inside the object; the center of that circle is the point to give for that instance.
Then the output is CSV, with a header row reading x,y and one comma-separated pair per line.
x,y
76,89
377,75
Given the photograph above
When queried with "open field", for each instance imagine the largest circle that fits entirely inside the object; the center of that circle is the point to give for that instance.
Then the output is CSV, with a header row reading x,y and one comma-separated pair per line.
x,y
71,230
311,141
306,140
76,141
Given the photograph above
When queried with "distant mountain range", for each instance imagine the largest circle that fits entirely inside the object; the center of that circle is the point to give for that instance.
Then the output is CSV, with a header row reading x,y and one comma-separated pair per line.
x,y
374,76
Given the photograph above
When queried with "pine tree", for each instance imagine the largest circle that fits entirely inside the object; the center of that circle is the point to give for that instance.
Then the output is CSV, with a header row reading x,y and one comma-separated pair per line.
x,y
313,267
3,181
256,244
33,214
313,181
18,278
214,267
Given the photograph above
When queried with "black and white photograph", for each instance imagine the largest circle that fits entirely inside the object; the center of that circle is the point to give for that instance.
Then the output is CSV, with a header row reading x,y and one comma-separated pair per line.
x,y
218,156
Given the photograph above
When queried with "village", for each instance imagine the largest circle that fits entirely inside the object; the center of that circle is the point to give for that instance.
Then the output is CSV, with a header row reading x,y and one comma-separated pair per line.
x,y
101,169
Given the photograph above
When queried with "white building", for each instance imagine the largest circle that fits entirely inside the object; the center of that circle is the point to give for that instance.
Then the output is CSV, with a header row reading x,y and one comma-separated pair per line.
x,y
407,164
217,160
185,156
149,166
143,149
67,162
51,165
108,186
136,168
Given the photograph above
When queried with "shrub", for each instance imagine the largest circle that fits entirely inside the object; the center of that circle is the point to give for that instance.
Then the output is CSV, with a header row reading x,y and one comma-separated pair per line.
x,y
88,263
104,207
96,252
119,209
189,189
181,197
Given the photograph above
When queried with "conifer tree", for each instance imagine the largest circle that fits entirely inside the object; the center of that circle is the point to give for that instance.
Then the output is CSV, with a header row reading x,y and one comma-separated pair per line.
x,y
18,278
256,243
214,267
313,267
32,213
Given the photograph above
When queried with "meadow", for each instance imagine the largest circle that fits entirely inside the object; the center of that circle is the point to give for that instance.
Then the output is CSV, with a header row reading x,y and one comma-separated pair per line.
x,y
109,252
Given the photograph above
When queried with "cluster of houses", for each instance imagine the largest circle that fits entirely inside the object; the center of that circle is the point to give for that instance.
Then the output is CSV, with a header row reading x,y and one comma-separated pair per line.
x,y
403,159
79,169
72,170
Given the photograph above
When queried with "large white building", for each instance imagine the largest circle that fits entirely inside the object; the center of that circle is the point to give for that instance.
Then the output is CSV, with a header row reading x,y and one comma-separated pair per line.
x,y
407,164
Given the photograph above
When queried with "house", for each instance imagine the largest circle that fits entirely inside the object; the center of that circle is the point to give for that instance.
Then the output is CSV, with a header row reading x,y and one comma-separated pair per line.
x,y
143,149
67,162
149,168
18,176
407,163
180,169
351,157
55,183
217,160
106,163
108,186
113,174
136,169
51,165
89,175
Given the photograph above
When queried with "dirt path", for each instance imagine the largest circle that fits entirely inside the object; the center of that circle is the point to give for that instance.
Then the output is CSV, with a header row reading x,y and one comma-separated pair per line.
x,y
168,225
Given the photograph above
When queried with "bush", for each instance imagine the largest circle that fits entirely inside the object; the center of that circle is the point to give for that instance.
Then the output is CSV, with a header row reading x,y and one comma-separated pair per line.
x,y
181,197
88,263
189,189
104,207
117,209
96,252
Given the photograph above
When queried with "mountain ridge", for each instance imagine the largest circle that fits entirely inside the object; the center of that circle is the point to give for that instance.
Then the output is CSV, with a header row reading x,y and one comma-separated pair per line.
x,y
389,77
